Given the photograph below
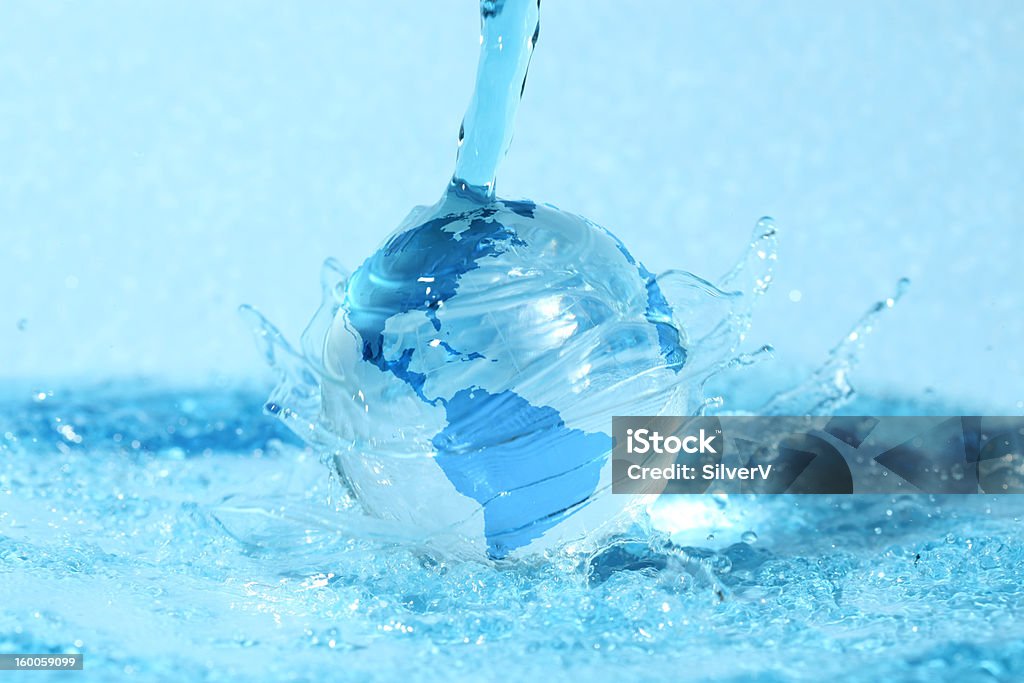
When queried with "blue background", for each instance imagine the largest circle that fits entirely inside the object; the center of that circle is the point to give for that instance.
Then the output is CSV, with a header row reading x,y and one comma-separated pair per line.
x,y
161,163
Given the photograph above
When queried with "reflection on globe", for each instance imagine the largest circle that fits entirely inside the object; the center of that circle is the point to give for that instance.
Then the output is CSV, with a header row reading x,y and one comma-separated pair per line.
x,y
473,365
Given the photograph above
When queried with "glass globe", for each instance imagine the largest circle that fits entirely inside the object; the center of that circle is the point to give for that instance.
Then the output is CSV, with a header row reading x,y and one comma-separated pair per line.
x,y
475,363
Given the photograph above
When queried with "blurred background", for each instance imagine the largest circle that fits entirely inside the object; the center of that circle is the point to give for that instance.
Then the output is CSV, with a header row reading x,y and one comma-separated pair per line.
x,y
162,163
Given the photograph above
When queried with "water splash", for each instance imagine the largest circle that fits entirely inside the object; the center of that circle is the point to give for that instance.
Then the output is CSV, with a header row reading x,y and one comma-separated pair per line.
x,y
718,325
462,380
829,387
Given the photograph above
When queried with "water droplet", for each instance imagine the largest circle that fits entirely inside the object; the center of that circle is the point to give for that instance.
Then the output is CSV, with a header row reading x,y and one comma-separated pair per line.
x,y
721,564
749,537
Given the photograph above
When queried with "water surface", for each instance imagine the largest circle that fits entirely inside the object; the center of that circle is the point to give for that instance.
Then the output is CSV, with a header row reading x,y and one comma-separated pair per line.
x,y
175,535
